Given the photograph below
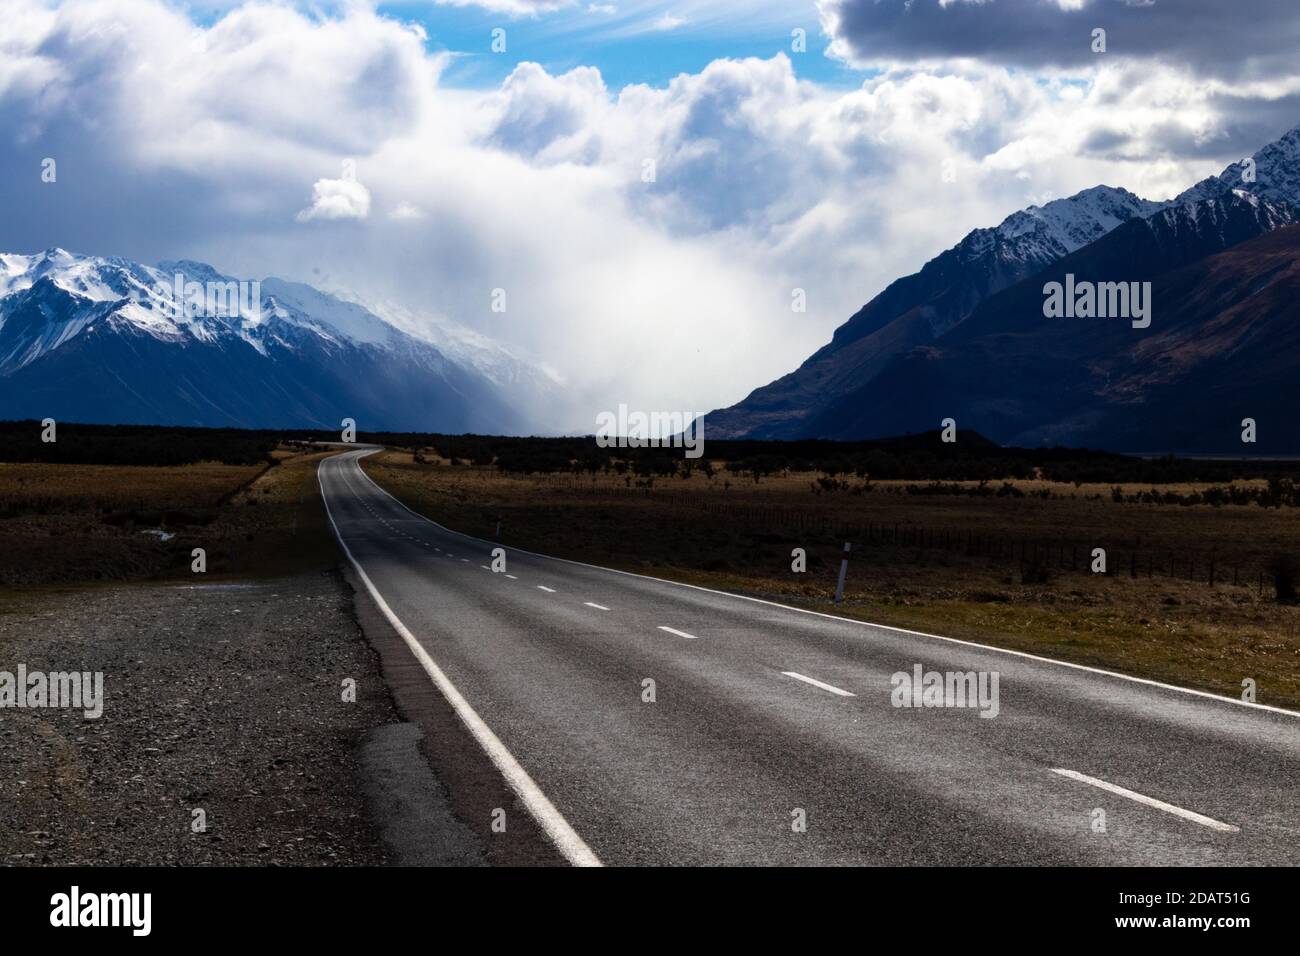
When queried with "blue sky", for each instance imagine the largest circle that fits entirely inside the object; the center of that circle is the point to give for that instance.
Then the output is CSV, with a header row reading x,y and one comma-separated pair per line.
x,y
638,42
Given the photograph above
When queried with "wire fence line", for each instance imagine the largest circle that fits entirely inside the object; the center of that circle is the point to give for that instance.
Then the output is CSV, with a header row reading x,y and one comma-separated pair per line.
x,y
1024,550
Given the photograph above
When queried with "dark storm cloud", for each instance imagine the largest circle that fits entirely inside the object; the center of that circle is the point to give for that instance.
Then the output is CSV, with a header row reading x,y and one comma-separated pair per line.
x,y
1222,38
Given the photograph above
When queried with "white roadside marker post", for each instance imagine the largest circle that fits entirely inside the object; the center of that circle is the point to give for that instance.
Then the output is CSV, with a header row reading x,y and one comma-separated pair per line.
x,y
844,570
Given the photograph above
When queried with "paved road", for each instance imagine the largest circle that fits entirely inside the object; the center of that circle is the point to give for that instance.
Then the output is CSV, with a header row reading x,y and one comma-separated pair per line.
x,y
764,715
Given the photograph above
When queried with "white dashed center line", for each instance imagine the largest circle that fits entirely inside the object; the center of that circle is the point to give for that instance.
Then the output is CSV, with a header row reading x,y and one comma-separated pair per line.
x,y
817,683
512,577
598,607
673,630
1149,801
543,587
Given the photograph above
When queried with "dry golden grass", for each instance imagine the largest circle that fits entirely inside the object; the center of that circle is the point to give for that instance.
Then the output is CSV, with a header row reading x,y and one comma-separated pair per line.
x,y
81,523
1158,627
31,487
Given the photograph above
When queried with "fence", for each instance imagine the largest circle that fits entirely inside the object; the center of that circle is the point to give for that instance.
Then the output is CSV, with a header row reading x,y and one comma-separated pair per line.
x,y
1024,550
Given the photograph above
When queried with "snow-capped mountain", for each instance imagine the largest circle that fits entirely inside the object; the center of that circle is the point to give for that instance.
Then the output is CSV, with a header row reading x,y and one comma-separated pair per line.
x,y
1245,200
529,384
1046,233
918,308
1273,174
1222,346
101,339
988,260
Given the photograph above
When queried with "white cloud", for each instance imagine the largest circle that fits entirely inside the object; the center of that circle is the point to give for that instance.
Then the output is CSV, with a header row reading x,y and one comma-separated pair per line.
x,y
671,294
669,21
406,212
337,199
512,7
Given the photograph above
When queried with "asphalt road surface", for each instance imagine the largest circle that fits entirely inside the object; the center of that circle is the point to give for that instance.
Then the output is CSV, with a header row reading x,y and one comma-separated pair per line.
x,y
773,735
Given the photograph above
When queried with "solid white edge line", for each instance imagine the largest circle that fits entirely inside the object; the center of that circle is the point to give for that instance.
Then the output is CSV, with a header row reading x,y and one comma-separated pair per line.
x,y
816,683
598,607
673,630
566,839
1149,801
850,620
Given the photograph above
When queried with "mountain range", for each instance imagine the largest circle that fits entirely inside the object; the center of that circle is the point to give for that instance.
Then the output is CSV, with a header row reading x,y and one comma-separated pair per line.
x,y
966,337
106,340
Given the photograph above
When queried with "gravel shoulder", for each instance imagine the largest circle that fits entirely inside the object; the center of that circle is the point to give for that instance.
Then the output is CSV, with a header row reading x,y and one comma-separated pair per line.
x,y
226,699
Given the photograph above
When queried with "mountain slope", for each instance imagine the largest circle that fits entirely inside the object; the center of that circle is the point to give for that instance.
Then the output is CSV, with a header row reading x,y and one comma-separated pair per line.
x,y
917,309
1221,347
530,387
102,340
1273,173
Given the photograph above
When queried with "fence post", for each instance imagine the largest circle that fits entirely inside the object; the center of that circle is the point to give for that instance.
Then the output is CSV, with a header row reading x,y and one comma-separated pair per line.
x,y
844,570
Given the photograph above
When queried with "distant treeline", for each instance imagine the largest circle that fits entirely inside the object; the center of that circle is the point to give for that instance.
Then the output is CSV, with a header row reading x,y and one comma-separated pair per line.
x,y
133,444
922,457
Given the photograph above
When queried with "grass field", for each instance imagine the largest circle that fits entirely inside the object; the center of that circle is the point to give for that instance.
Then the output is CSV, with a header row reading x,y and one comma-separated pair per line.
x,y
72,524
1012,570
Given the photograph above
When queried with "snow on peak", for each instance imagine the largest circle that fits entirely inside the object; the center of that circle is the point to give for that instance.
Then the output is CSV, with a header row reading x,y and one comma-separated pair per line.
x,y
61,295
462,345
304,305
1272,173
1039,235
1064,225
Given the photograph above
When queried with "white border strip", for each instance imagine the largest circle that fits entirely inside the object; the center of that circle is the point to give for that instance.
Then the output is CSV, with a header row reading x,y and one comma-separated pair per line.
x,y
565,838
847,620
1204,821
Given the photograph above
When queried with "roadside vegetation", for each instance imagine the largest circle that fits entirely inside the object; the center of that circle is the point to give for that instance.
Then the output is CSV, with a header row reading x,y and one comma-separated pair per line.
x,y
69,523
